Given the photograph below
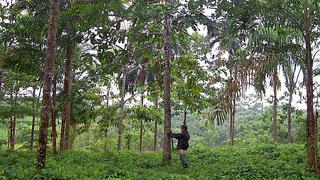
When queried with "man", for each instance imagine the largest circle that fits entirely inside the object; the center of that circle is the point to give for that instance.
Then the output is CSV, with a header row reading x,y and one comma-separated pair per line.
x,y
183,144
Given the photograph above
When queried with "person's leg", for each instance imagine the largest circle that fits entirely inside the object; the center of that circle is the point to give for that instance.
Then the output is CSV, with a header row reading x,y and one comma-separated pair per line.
x,y
184,160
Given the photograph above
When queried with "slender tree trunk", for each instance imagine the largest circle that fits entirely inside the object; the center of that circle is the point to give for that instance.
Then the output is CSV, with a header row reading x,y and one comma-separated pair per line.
x,y
289,117
122,94
13,122
106,138
66,115
141,127
53,118
33,116
167,89
11,137
232,115
311,121
155,138
185,116
46,104
274,127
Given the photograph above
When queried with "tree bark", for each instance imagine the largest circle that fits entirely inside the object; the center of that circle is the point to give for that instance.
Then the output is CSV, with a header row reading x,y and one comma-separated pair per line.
x,y
155,138
66,115
289,117
185,116
232,115
53,118
311,122
122,94
275,104
46,104
33,116
141,127
167,88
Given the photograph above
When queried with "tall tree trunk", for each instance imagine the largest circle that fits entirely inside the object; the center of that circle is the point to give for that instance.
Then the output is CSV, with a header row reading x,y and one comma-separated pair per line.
x,y
53,118
11,137
33,116
289,117
155,138
46,104
122,94
311,121
167,88
274,127
232,115
141,127
66,114
185,116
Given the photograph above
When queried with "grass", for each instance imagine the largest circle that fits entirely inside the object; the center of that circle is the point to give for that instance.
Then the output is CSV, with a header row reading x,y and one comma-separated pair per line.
x,y
258,162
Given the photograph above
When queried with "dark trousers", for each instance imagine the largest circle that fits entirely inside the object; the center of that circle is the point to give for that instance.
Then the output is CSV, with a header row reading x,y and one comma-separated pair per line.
x,y
184,159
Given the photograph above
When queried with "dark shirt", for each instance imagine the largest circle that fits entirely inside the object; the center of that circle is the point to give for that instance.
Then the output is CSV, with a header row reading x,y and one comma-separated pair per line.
x,y
183,139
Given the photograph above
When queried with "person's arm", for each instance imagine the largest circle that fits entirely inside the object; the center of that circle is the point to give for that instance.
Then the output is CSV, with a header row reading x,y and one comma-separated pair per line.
x,y
177,135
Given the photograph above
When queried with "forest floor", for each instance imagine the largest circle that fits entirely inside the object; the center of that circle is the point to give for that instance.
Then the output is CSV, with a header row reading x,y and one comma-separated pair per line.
x,y
256,162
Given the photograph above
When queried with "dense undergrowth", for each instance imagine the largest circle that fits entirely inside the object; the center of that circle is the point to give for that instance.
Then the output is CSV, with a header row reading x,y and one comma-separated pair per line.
x,y
258,162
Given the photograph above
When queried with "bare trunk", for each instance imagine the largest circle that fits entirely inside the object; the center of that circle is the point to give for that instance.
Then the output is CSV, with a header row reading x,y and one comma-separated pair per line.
x,y
232,115
311,122
185,116
66,115
11,137
155,138
33,116
53,118
13,123
289,117
166,89
141,127
274,127
46,104
122,94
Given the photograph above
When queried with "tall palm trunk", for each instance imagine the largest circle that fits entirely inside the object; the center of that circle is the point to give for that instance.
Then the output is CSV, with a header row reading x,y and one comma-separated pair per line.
x,y
46,104
53,118
122,94
275,104
66,114
167,88
311,121
33,116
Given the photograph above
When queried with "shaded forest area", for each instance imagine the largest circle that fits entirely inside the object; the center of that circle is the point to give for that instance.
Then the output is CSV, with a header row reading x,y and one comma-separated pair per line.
x,y
92,88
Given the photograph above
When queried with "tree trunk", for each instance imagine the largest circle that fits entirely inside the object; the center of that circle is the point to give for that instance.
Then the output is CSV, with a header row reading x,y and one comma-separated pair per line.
x,y
185,116
53,118
106,138
289,117
274,127
311,122
33,116
66,115
166,89
46,104
11,137
232,115
155,138
122,94
141,127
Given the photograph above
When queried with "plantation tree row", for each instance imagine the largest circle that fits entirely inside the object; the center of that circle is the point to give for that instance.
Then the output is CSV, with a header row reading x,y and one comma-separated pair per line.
x,y
94,63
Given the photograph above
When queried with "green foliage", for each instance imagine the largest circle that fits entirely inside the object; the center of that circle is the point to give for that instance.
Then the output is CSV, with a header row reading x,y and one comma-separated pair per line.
x,y
262,161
